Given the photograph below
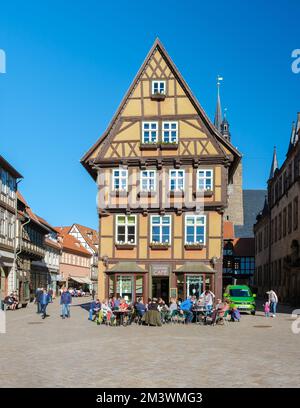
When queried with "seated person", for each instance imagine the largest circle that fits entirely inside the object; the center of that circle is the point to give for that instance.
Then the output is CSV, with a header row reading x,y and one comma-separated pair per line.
x,y
106,310
94,309
140,308
10,301
200,302
173,308
208,300
153,305
235,314
123,305
186,308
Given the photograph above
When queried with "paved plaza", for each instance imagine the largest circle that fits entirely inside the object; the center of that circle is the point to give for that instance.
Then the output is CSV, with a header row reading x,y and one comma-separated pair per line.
x,y
257,352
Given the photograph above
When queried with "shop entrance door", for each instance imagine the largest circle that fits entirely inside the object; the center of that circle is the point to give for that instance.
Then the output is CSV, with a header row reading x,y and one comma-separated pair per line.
x,y
160,287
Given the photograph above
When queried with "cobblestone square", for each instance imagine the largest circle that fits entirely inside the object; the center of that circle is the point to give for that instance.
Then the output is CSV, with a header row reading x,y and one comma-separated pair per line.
x,y
257,352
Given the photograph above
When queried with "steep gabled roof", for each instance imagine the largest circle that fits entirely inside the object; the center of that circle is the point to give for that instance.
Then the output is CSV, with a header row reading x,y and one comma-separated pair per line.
x,y
219,138
69,243
89,234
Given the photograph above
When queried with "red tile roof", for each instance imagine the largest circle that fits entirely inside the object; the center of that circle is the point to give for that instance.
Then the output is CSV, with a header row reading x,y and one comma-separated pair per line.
x,y
90,235
228,230
69,243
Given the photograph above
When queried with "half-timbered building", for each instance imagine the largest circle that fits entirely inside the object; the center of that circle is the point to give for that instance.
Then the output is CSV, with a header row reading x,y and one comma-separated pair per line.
x,y
162,170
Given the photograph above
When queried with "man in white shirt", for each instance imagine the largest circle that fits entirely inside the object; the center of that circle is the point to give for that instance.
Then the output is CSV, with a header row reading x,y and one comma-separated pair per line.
x,y
273,299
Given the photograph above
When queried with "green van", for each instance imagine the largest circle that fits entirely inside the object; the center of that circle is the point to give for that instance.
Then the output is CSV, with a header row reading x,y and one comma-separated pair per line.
x,y
241,297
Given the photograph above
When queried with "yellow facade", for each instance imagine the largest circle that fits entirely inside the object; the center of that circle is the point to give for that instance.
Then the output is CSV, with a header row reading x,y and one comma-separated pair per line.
x,y
197,148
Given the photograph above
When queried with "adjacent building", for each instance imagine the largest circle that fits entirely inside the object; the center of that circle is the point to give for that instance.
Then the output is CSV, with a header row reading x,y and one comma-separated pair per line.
x,y
75,261
238,258
277,234
89,239
8,224
162,170
46,270
31,234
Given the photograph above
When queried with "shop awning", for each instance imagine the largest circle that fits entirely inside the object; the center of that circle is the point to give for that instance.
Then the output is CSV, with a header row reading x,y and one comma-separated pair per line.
x,y
81,279
126,267
195,267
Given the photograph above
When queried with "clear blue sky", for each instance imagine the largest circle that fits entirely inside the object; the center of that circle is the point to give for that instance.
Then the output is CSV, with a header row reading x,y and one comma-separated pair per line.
x,y
70,62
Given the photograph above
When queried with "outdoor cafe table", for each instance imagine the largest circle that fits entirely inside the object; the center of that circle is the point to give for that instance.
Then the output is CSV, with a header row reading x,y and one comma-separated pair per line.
x,y
199,311
120,314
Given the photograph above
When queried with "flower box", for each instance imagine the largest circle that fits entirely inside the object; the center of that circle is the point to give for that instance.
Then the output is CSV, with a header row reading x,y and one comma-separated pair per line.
x,y
178,193
158,96
147,194
159,245
193,247
206,193
168,146
148,146
124,246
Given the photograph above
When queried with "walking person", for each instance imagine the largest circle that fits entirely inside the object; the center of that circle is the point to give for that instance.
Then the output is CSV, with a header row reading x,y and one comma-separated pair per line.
x,y
50,293
273,299
93,294
38,295
267,308
65,301
44,300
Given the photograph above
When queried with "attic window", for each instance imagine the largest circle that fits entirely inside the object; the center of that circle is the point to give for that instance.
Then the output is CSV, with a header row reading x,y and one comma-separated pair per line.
x,y
158,87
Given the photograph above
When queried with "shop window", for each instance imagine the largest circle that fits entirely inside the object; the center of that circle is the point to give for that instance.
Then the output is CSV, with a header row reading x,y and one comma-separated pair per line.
x,y
194,285
125,287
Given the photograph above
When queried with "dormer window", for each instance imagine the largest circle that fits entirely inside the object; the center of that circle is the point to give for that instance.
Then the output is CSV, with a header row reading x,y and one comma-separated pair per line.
x,y
158,87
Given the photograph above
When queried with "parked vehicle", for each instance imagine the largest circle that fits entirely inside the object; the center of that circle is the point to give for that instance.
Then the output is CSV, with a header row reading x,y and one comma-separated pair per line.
x,y
241,297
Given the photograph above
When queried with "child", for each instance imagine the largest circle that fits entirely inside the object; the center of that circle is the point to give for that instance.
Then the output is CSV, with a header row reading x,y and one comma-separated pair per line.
x,y
267,309
235,314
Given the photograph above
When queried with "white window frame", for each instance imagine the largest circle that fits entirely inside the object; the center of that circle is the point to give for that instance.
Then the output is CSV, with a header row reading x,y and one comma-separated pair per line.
x,y
169,130
120,177
205,178
147,177
150,124
176,179
126,229
159,82
160,225
196,224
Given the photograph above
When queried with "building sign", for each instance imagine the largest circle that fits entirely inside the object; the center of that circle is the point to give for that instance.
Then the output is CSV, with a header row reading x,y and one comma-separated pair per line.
x,y
160,270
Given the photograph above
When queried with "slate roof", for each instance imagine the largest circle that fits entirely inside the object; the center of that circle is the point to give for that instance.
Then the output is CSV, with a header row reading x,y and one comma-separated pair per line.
x,y
253,204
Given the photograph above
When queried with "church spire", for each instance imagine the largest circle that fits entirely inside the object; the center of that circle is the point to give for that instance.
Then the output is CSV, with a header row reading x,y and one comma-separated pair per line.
x,y
274,165
218,114
225,127
292,138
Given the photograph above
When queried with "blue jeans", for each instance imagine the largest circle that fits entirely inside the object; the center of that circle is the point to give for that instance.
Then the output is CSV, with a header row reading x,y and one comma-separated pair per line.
x,y
91,313
273,306
188,315
38,305
43,309
65,310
